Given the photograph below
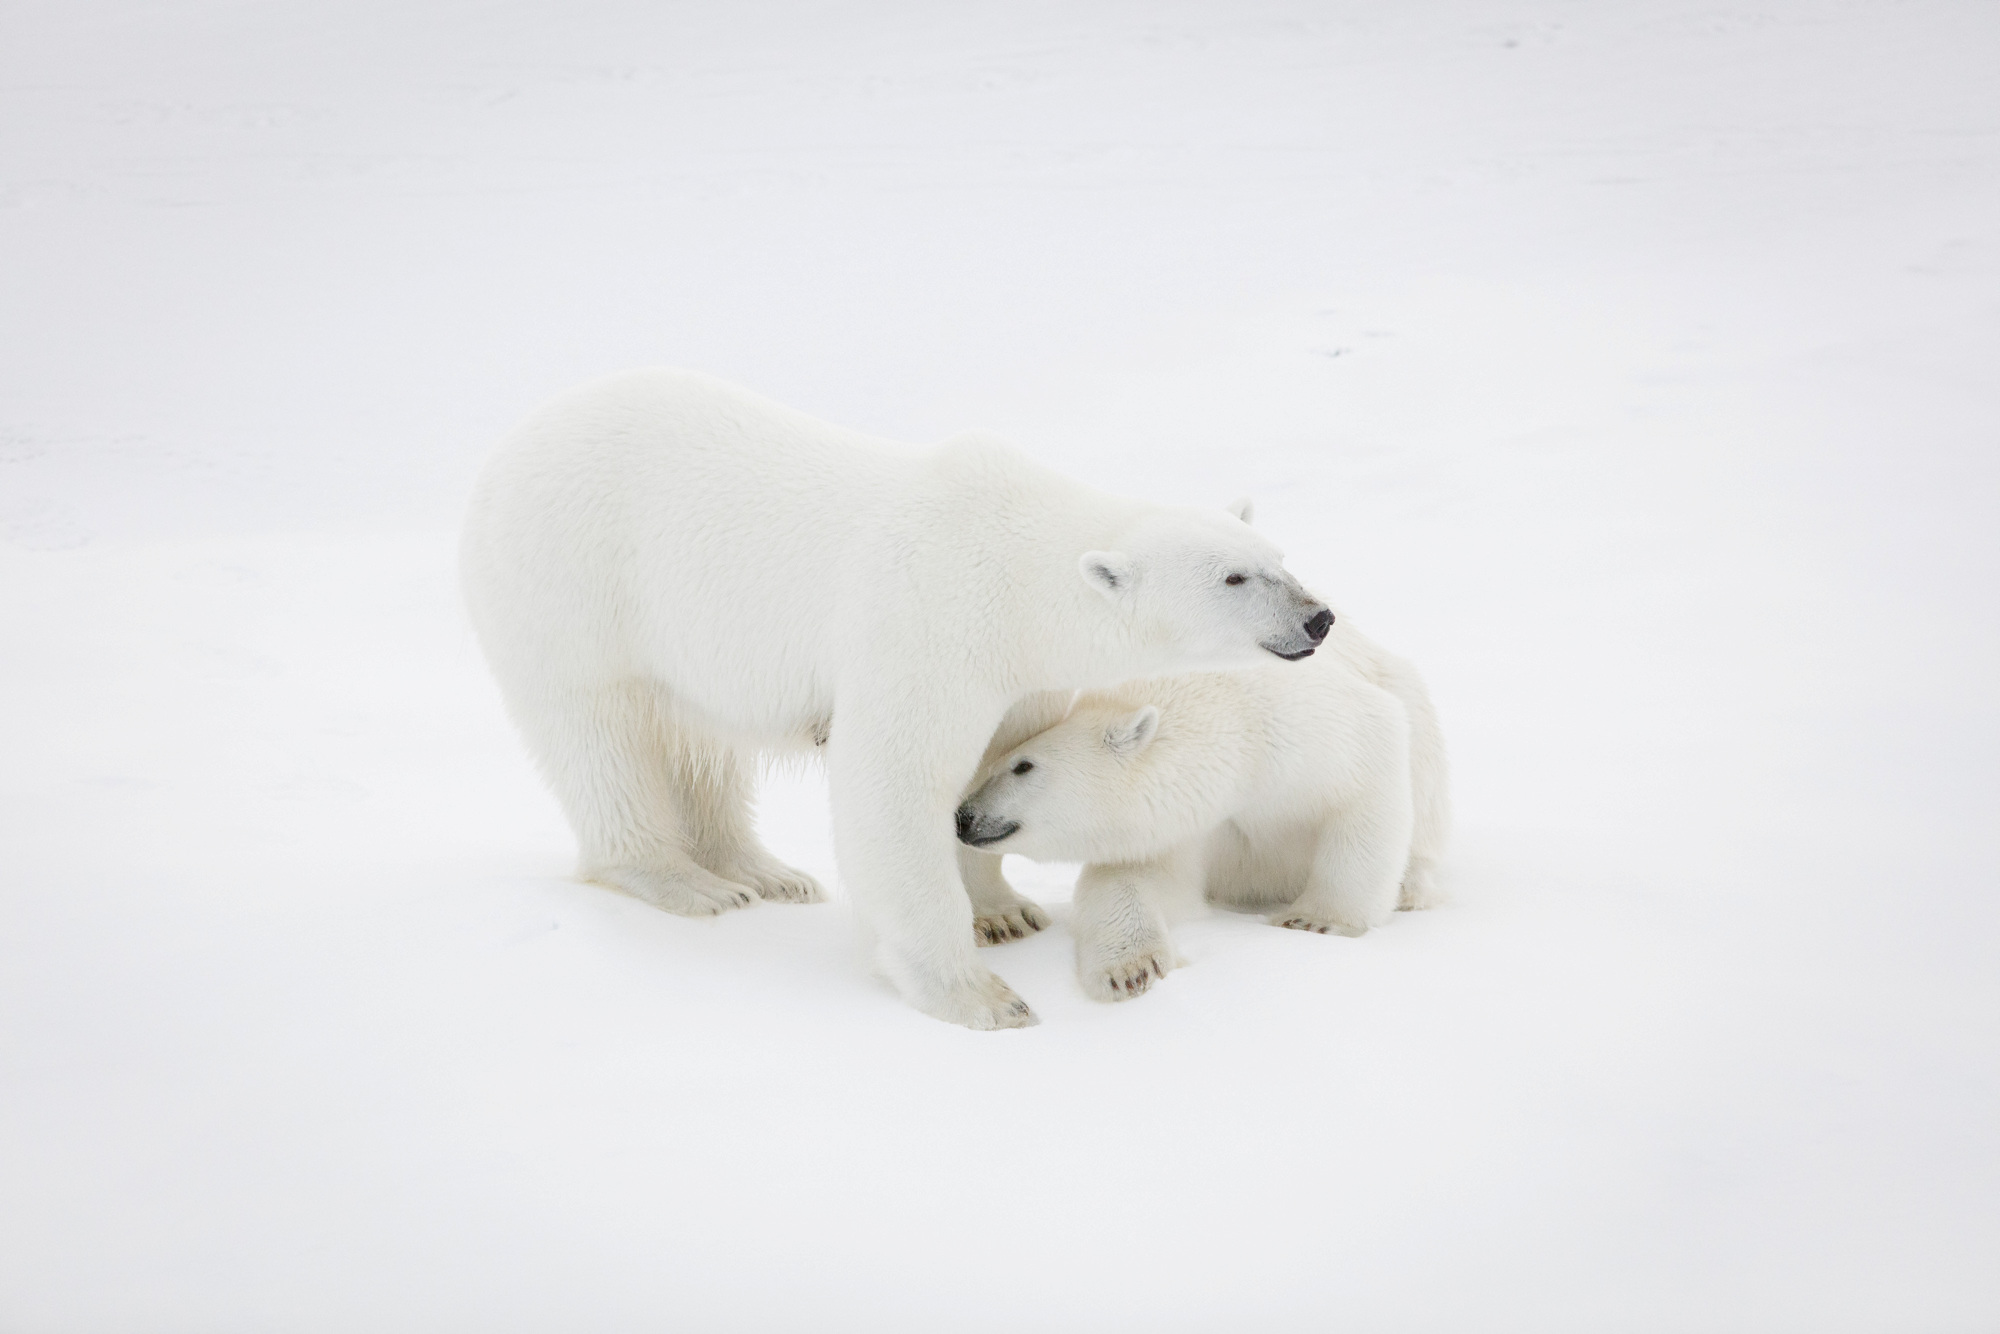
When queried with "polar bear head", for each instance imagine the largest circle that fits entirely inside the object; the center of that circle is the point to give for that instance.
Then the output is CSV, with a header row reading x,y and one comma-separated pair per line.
x,y
1201,588
1104,784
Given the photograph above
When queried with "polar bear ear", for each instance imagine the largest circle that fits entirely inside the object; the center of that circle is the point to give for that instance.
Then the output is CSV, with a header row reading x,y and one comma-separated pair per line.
x,y
1241,508
1132,733
1109,572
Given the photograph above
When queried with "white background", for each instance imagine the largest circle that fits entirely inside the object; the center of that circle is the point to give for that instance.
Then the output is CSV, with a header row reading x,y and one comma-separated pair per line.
x,y
1631,367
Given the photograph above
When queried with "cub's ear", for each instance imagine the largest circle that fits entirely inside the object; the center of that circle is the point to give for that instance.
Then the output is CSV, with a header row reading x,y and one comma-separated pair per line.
x,y
1241,508
1109,572
1132,733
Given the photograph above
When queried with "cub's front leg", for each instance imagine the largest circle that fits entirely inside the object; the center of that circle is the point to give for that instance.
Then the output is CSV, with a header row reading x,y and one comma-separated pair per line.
x,y
999,912
1122,941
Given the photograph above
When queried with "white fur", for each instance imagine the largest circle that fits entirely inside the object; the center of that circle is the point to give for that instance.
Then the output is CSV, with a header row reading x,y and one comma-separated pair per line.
x,y
670,575
1317,789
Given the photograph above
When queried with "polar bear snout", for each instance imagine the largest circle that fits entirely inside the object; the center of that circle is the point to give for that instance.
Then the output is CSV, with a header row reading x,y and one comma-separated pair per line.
x,y
1301,642
979,829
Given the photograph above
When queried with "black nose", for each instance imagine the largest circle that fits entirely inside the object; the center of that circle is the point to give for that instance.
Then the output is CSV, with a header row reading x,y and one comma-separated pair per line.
x,y
1321,622
964,821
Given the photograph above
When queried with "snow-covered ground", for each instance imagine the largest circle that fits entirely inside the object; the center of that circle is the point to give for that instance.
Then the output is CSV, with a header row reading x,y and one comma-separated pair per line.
x,y
1631,367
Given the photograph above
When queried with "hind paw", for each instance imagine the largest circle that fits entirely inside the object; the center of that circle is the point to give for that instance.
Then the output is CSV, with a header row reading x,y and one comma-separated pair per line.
x,y
1324,926
687,891
1420,890
776,882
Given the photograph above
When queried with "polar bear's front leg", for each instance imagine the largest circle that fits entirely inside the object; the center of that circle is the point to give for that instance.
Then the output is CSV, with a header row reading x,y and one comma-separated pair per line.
x,y
894,783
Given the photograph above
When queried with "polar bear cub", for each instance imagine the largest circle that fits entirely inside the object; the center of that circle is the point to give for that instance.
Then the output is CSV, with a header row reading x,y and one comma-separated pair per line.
x,y
1315,791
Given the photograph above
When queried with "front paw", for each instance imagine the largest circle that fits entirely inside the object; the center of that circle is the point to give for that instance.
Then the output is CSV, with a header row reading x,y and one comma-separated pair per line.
x,y
1017,922
985,1003
1293,920
1129,974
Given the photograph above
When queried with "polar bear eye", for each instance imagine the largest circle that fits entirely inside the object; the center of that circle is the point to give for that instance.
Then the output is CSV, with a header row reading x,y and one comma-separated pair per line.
x,y
1233,579
1024,766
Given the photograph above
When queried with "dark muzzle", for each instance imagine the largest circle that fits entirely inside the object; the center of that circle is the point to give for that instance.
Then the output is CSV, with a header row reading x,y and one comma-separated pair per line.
x,y
977,831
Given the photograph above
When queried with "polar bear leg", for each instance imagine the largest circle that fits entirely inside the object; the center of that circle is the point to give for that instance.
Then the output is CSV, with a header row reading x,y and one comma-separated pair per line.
x,y
1430,788
1420,886
1357,868
617,766
1364,846
1122,944
892,832
715,798
1430,782
999,913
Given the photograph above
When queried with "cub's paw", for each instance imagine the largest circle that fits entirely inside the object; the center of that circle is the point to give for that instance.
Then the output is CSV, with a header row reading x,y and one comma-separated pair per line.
x,y
1127,976
1017,922
1325,926
1420,890
987,1003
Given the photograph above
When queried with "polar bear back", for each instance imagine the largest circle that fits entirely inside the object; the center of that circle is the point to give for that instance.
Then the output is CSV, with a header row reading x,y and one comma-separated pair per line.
x,y
665,524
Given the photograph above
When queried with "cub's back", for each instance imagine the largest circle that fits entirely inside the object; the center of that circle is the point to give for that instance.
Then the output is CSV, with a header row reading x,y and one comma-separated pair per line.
x,y
1324,717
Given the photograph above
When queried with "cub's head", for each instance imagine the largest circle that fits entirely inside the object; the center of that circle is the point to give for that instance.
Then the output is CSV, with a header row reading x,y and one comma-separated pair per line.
x,y
1200,588
1080,791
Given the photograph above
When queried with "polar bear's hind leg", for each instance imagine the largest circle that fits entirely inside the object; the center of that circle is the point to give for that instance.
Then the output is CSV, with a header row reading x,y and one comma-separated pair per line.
x,y
610,755
716,794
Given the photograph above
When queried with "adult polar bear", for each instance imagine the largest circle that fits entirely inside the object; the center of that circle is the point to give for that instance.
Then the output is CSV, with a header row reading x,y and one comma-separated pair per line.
x,y
669,575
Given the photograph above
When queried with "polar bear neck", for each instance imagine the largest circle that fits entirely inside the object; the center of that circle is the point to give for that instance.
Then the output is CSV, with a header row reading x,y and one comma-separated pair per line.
x,y
1019,528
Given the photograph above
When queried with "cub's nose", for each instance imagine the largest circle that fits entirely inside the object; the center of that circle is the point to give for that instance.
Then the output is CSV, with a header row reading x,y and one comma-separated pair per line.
x,y
1321,622
964,820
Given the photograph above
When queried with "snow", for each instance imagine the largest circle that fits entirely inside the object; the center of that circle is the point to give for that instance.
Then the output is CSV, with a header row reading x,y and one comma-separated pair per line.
x,y
1629,367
